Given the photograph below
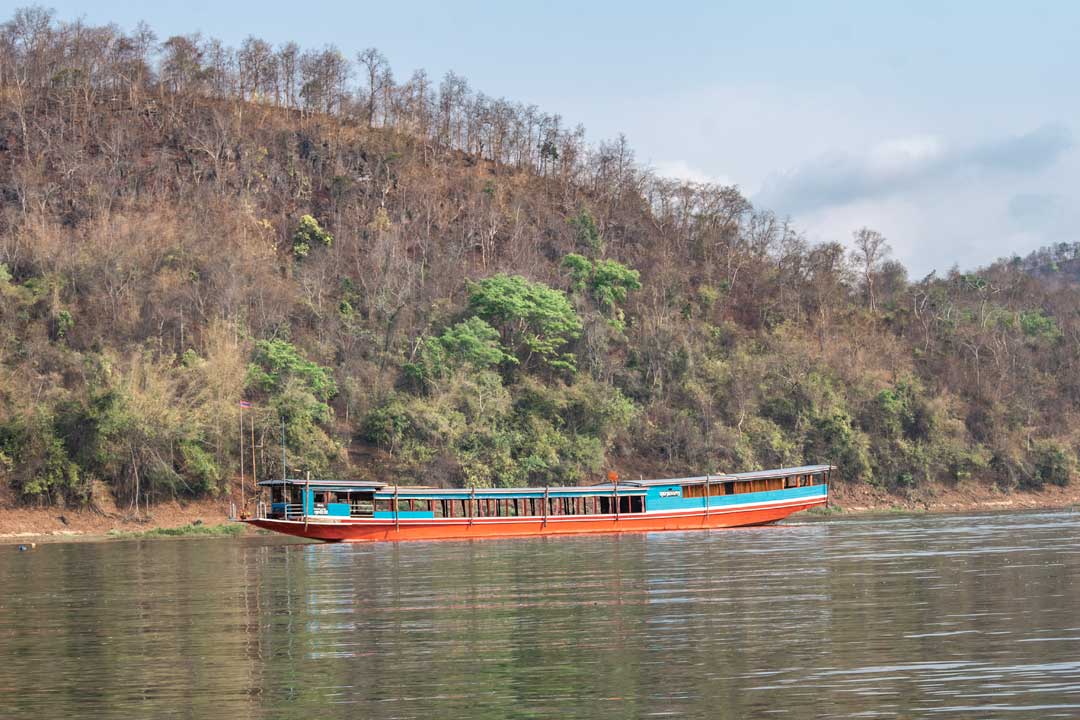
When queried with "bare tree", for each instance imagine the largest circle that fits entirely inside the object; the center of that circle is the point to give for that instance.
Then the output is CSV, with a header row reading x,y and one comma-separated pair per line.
x,y
257,68
377,77
870,252
288,59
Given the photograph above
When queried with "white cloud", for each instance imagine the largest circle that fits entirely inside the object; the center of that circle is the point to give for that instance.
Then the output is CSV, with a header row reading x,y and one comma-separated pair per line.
x,y
905,164
939,179
681,170
904,154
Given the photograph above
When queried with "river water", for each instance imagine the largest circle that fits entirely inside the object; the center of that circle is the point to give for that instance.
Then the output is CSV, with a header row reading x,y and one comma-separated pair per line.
x,y
959,616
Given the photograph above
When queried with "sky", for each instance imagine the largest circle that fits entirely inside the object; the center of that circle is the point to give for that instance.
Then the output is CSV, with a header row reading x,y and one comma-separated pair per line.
x,y
947,126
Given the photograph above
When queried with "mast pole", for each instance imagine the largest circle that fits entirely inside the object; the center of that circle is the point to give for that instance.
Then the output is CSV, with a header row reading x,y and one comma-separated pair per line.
x,y
307,498
615,492
242,501
708,491
254,478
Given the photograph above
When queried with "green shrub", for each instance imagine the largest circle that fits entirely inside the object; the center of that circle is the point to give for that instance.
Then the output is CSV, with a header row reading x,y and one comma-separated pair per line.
x,y
534,320
197,463
309,234
1051,463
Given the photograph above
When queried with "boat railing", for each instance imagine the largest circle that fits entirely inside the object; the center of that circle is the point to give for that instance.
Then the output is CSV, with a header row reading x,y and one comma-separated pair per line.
x,y
294,511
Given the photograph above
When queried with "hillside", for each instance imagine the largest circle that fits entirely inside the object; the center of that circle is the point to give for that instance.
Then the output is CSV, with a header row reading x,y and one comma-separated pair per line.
x,y
420,282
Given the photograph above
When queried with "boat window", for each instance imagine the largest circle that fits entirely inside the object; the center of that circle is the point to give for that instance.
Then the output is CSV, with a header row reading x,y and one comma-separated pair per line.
x,y
277,494
361,504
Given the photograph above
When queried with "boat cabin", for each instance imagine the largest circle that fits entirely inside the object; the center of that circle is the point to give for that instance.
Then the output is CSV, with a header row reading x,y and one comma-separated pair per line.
x,y
292,499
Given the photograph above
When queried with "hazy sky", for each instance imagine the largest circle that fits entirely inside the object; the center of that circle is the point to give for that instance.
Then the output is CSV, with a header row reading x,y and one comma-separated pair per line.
x,y
948,126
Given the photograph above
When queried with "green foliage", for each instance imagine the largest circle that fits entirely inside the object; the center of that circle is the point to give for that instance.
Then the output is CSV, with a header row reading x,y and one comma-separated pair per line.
x,y
275,362
199,464
588,234
1037,325
471,430
901,412
196,529
708,295
387,424
190,359
959,460
833,439
298,391
534,320
471,343
37,460
64,323
310,448
1052,463
309,234
606,281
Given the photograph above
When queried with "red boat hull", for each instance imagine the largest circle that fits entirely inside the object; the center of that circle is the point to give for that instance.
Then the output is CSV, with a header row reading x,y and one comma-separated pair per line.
x,y
374,530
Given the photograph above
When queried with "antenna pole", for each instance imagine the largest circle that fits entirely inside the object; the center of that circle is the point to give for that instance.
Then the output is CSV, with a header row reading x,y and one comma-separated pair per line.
x,y
254,477
242,503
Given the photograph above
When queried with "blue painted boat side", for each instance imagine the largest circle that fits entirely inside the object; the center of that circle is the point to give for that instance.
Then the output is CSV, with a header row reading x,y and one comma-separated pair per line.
x,y
332,509
504,495
661,498
404,515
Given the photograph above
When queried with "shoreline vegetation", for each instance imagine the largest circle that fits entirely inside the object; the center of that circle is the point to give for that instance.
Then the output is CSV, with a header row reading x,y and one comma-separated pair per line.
x,y
217,261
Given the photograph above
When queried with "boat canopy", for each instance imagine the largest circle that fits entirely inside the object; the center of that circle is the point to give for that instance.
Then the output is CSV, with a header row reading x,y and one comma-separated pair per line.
x,y
733,477
623,487
405,492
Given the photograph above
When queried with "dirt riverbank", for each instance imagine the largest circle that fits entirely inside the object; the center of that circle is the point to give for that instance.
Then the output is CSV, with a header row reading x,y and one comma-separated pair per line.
x,y
970,496
18,524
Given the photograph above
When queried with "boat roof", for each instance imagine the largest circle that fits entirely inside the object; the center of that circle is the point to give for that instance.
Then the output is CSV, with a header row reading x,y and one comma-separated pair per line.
x,y
327,482
623,487
406,490
729,477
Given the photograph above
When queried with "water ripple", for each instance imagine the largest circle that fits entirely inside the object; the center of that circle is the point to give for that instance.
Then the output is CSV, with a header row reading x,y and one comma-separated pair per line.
x,y
970,616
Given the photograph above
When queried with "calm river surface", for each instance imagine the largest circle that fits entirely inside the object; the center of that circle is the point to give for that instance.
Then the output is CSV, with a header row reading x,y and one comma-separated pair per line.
x,y
973,616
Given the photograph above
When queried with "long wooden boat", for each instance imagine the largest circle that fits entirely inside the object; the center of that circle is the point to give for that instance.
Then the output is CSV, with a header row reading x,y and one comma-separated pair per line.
x,y
346,510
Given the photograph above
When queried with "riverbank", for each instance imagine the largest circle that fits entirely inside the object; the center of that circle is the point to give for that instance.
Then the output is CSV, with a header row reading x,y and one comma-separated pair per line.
x,y
968,496
202,517
107,520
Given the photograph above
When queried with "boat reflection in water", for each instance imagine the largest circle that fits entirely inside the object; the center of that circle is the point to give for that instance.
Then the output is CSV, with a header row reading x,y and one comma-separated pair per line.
x,y
347,510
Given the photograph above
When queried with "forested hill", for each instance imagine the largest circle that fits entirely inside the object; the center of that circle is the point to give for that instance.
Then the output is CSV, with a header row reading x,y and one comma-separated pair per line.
x,y
434,285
